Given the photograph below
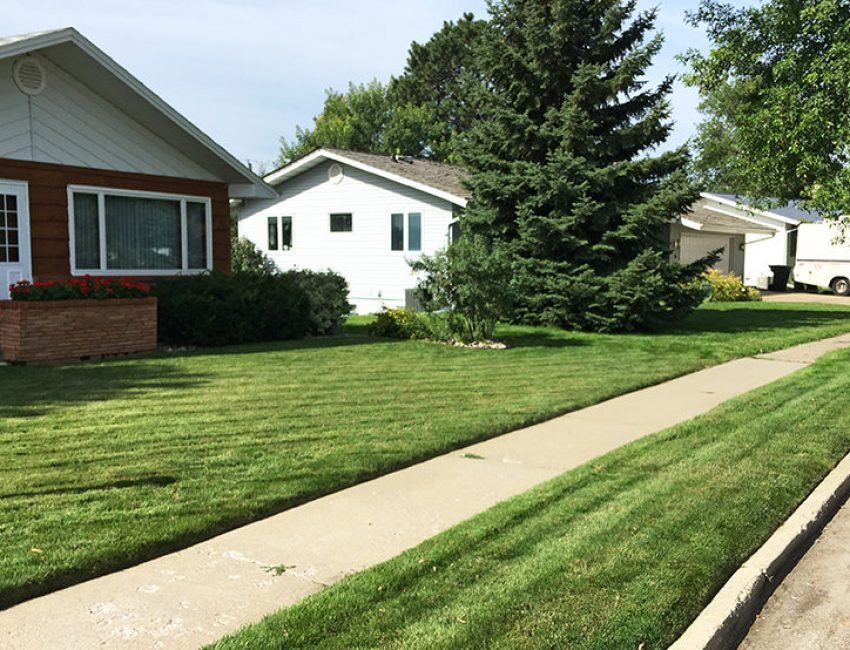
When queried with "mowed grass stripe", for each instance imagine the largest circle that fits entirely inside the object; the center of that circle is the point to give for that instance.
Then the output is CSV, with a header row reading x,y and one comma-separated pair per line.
x,y
105,464
622,552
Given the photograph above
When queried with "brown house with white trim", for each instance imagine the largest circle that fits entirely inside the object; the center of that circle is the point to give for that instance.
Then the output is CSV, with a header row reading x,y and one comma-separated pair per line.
x,y
100,176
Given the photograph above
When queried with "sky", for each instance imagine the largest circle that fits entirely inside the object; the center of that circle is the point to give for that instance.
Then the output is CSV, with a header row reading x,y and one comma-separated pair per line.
x,y
246,72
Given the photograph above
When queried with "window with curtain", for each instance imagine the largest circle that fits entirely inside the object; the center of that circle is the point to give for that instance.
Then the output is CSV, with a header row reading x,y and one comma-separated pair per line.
x,y
142,234
196,234
130,232
86,231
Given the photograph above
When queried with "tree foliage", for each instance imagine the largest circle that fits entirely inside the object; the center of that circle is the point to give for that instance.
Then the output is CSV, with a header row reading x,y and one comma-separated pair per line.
x,y
443,80
789,62
716,165
356,119
562,167
422,113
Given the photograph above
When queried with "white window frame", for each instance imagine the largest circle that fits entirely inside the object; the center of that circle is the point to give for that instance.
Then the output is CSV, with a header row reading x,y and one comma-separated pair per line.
x,y
101,193
405,232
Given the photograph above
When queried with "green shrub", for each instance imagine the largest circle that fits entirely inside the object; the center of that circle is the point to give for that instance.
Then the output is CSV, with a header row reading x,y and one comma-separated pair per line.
x,y
221,309
392,323
245,257
328,296
472,281
404,323
728,288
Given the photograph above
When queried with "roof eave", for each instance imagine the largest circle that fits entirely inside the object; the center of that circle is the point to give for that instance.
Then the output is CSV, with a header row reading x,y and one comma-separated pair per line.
x,y
310,160
746,208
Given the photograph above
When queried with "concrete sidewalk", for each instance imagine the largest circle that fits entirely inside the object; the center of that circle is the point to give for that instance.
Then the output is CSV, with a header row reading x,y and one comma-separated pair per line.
x,y
811,608
195,596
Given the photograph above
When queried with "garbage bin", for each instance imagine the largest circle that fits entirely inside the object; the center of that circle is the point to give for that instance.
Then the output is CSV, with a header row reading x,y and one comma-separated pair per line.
x,y
781,273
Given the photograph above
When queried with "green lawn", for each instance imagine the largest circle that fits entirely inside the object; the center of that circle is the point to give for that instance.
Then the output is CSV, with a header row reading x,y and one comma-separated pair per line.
x,y
621,553
106,464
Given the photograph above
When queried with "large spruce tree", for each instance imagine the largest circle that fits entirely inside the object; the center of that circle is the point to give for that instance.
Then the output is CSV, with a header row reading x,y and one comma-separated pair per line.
x,y
563,169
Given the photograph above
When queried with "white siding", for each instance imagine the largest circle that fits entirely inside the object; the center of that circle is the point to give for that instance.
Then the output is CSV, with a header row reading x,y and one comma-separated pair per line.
x,y
71,125
376,275
761,252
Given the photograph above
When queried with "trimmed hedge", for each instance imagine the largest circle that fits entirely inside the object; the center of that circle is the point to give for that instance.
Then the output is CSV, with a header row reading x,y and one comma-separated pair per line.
x,y
224,309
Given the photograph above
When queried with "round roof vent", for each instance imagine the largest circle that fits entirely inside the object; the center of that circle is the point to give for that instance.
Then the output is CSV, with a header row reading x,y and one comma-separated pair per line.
x,y
335,173
29,75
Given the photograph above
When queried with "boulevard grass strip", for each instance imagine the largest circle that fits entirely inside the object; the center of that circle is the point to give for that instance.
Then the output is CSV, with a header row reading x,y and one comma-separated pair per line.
x,y
623,552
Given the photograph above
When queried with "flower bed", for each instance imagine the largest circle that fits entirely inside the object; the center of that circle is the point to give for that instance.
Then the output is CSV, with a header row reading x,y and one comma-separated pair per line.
x,y
77,319
84,288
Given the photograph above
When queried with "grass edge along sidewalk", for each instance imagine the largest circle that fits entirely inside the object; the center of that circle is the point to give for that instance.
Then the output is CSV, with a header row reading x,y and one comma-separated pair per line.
x,y
622,552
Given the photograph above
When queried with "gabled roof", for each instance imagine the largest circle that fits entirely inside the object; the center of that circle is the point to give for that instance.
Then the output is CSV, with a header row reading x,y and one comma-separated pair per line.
x,y
68,49
790,212
438,179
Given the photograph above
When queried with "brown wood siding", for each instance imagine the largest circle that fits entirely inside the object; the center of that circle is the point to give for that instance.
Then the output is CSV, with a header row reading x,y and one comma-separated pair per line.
x,y
48,195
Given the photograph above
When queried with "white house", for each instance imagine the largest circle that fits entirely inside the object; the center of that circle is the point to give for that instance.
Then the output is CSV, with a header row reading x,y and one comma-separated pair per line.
x,y
752,239
361,215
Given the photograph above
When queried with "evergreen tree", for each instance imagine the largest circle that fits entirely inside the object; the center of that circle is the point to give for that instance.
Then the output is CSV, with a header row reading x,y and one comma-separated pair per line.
x,y
562,167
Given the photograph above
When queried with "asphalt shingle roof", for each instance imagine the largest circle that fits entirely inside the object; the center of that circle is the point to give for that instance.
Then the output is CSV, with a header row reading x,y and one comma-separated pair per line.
x,y
441,176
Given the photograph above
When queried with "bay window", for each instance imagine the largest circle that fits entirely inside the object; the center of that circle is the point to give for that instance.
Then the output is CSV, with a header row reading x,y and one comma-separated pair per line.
x,y
138,233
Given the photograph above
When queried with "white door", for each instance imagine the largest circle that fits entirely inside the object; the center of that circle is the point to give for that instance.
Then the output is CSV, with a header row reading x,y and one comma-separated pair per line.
x,y
15,262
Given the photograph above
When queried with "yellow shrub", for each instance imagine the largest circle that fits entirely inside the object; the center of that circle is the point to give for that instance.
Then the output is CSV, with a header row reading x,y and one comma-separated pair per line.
x,y
728,288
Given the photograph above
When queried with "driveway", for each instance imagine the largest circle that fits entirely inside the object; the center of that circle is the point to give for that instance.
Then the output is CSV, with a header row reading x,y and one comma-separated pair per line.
x,y
803,296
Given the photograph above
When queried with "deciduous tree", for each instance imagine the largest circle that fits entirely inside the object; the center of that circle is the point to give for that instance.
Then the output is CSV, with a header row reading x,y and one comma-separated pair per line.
x,y
789,61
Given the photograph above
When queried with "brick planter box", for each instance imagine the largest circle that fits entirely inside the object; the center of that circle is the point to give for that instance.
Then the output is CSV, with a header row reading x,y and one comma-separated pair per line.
x,y
62,330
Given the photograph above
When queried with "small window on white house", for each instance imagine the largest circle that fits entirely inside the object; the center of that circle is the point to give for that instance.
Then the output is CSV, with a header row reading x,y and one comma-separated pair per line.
x,y
286,233
138,233
341,222
397,232
414,231
273,234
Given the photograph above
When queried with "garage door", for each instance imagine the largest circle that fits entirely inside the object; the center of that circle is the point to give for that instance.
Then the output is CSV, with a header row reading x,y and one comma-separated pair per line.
x,y
694,247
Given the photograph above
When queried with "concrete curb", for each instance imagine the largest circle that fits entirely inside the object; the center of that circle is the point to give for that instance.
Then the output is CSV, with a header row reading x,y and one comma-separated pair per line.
x,y
726,620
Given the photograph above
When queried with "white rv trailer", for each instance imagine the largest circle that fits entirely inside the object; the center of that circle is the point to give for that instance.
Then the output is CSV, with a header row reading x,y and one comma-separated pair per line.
x,y
823,257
